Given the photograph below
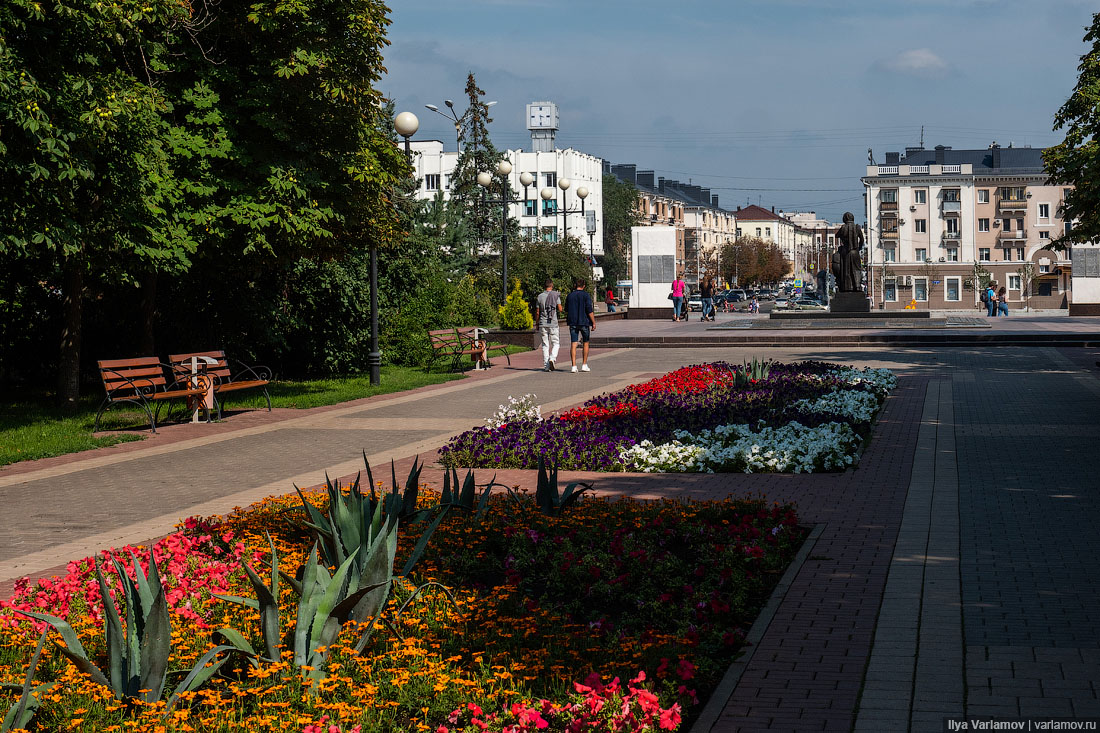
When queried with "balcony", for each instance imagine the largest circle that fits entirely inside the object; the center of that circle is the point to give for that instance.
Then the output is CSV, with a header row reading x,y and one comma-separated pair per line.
x,y
890,235
917,169
951,207
1018,235
952,169
951,237
888,206
1012,204
887,170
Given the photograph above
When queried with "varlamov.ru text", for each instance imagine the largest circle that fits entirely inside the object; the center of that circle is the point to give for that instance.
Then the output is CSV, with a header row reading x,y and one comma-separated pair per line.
x,y
1026,725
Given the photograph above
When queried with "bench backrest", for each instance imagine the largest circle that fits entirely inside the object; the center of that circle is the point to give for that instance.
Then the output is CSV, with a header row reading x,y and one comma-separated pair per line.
x,y
452,337
181,363
129,375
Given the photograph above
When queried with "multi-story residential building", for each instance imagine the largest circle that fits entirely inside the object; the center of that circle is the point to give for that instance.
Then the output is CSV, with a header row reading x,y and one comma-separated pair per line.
x,y
937,218
756,221
702,226
545,219
816,240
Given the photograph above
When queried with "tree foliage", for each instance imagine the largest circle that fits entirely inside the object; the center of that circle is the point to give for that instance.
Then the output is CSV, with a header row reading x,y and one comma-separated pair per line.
x,y
620,213
1076,160
532,262
752,261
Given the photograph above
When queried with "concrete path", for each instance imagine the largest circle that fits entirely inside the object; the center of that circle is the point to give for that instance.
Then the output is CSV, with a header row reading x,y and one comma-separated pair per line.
x,y
953,575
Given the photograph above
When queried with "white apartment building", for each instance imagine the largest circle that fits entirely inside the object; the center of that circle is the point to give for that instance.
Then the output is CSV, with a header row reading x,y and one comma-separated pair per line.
x,y
933,214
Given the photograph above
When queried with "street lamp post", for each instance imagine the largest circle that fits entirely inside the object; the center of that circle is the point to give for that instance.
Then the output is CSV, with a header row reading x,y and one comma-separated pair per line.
x,y
454,117
406,125
485,180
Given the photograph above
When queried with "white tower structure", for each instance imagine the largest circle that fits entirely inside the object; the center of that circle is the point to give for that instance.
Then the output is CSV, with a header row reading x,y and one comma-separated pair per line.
x,y
542,121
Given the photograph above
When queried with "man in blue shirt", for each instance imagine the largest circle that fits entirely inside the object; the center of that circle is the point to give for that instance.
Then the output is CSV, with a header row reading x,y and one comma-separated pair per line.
x,y
581,320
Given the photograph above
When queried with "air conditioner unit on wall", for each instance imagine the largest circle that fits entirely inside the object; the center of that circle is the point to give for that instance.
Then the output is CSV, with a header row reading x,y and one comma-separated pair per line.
x,y
907,281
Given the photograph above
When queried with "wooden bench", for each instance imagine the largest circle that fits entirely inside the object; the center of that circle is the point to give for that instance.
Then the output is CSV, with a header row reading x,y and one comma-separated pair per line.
x,y
247,377
459,342
143,382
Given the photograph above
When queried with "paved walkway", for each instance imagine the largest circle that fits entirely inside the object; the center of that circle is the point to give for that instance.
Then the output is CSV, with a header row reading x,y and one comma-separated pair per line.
x,y
953,573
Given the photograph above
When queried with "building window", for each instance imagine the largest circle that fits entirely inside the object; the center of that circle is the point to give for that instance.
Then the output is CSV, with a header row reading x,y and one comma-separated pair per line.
x,y
983,254
832,239
890,290
549,234
952,226
888,254
1007,255
952,289
920,289
951,194
531,233
983,195
530,207
549,208
1019,225
1012,193
920,226
1014,282
952,254
1044,269
889,225
983,225
888,196
1068,226
920,196
551,179
1044,235
1044,211
767,231
1006,225
738,231
431,182
447,182
922,254
1020,254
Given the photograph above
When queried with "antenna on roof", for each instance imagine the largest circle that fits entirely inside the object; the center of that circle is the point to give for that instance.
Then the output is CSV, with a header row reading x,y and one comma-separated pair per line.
x,y
922,137
870,157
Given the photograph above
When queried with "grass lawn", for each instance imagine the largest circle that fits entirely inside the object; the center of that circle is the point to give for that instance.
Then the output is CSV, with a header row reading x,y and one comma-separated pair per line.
x,y
31,428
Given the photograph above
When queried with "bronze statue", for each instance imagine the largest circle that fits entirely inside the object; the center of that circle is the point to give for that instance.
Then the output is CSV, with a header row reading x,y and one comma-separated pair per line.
x,y
847,264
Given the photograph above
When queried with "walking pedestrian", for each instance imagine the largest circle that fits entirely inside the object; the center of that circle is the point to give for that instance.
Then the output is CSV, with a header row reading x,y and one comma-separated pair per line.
x,y
1002,302
678,286
581,320
706,292
990,299
547,309
609,300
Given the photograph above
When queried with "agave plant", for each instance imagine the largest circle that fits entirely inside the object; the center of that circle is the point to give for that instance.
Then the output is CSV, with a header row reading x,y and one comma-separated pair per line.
x,y
549,499
20,713
137,654
751,373
464,498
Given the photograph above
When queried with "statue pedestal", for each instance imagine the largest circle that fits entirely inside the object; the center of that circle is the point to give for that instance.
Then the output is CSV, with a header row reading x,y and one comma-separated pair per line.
x,y
849,303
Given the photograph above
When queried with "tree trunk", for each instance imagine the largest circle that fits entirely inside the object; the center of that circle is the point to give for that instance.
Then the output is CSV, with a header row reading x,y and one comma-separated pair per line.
x,y
146,344
68,376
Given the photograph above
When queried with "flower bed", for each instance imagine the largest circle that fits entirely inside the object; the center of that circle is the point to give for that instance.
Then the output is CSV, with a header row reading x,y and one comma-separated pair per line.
x,y
549,620
809,416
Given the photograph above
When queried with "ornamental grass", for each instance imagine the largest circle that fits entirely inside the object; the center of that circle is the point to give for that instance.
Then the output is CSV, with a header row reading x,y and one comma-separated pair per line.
x,y
618,615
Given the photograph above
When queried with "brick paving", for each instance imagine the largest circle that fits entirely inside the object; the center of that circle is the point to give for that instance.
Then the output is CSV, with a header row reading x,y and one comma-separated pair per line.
x,y
971,517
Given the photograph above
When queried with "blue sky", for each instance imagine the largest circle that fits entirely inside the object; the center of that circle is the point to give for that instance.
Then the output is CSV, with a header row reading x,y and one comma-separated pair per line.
x,y
764,101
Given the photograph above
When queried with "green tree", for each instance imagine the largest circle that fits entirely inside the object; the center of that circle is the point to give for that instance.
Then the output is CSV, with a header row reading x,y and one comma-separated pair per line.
x,y
482,221
515,314
620,213
1076,160
532,262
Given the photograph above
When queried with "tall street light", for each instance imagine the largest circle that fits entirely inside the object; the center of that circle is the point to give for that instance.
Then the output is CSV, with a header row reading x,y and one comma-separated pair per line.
x,y
455,117
406,125
485,180
548,193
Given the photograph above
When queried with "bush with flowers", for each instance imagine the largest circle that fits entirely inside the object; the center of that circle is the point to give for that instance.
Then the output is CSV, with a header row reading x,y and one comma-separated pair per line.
x,y
528,613
688,420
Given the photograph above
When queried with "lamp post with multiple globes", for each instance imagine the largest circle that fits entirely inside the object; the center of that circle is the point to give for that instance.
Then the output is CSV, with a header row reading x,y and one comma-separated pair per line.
x,y
485,180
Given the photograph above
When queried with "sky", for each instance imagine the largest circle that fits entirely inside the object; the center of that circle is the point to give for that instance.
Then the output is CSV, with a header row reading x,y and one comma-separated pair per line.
x,y
769,102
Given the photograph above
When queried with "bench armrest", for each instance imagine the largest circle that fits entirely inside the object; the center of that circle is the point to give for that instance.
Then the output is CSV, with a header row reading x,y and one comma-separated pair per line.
x,y
142,386
259,373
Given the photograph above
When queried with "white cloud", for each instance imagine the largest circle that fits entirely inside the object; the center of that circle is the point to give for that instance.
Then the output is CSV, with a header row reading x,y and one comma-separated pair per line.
x,y
922,62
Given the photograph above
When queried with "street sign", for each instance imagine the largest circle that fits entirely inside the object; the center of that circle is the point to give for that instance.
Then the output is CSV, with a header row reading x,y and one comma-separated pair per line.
x,y
798,282
590,222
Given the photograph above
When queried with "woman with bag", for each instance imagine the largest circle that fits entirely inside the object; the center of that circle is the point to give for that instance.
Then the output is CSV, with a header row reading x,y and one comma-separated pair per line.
x,y
677,296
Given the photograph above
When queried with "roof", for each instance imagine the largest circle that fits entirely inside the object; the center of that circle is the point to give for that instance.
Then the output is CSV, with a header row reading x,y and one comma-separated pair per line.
x,y
753,212
1012,160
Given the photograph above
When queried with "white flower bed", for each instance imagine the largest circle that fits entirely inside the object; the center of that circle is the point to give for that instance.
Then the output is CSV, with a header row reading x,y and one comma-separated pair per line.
x,y
792,448
880,380
854,404
518,409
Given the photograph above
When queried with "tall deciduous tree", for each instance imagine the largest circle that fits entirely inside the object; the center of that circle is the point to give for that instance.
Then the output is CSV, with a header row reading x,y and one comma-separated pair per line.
x,y
1076,160
620,213
753,261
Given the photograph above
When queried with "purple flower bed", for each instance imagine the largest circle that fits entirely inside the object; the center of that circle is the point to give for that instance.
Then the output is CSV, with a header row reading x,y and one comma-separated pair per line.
x,y
695,398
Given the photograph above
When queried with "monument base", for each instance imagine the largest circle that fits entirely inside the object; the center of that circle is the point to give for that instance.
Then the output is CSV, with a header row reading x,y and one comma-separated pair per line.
x,y
849,303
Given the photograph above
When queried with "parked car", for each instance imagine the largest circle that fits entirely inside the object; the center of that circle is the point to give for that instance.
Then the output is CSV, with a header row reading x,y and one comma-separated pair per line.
x,y
805,304
765,294
781,301
737,295
695,302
